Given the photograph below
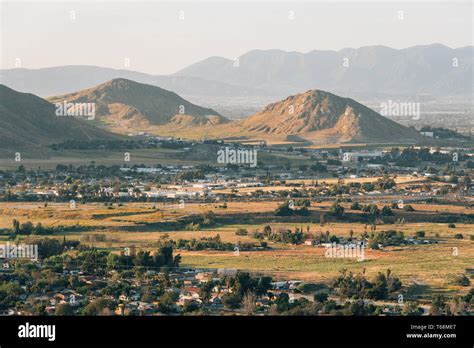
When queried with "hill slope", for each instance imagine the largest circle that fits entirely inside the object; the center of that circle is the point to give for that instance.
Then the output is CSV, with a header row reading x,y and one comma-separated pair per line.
x,y
322,117
126,106
29,121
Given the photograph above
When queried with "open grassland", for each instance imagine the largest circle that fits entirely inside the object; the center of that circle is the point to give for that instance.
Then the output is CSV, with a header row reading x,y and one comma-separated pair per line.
x,y
427,267
48,159
131,214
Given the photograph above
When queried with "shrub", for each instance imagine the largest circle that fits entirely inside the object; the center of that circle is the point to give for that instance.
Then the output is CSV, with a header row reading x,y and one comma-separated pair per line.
x,y
231,301
458,236
241,232
412,309
337,209
190,306
408,207
193,226
386,211
289,209
320,297
462,280
64,309
420,234
372,209
374,245
451,225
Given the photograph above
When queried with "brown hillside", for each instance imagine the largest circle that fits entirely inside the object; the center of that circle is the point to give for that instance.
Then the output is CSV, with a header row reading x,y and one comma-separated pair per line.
x,y
322,117
125,106
30,121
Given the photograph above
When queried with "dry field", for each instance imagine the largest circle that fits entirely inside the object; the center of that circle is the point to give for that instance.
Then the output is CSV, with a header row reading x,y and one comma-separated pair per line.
x,y
428,267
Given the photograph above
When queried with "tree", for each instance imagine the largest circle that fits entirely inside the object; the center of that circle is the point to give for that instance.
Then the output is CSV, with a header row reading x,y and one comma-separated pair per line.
x,y
231,301
27,228
263,285
438,305
386,211
190,306
97,307
393,283
337,210
48,247
167,302
359,308
453,179
283,302
284,210
241,232
351,234
248,302
73,281
321,219
412,309
420,234
243,283
39,229
206,291
372,209
379,290
209,215
320,297
16,226
64,309
462,280
267,231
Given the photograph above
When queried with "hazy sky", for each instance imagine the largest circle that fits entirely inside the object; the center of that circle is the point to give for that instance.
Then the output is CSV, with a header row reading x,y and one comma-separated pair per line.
x,y
163,37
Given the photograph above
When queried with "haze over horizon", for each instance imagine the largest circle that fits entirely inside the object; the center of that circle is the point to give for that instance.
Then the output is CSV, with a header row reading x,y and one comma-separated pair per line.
x,y
218,56
163,38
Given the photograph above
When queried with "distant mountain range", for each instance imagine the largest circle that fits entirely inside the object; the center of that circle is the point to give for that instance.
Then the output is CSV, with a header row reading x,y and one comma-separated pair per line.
x,y
125,106
47,82
27,121
368,72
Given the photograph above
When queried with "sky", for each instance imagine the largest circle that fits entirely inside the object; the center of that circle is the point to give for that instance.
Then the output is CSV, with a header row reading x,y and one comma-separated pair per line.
x,y
162,37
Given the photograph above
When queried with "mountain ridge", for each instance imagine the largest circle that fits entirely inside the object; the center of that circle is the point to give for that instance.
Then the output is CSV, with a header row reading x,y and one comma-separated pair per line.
x,y
322,117
128,106
386,72
422,69
27,120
